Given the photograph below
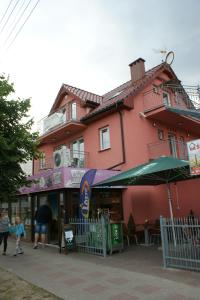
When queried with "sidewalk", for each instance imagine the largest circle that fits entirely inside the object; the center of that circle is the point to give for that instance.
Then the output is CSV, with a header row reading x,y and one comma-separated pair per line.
x,y
126,276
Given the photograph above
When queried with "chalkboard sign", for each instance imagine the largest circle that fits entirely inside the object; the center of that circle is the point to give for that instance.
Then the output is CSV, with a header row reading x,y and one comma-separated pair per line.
x,y
69,238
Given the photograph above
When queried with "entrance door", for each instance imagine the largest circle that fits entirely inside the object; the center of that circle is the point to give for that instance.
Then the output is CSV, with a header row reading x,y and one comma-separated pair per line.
x,y
54,227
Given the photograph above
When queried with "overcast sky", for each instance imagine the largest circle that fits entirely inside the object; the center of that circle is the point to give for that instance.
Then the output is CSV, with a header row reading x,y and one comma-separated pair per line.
x,y
89,44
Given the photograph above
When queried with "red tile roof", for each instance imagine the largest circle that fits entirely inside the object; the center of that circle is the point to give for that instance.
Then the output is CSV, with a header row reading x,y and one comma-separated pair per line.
x,y
125,90
84,95
118,94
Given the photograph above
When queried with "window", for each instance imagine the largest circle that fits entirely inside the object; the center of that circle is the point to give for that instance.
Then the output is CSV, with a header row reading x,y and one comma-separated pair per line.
x,y
42,160
172,144
73,111
160,134
166,99
104,138
182,148
78,153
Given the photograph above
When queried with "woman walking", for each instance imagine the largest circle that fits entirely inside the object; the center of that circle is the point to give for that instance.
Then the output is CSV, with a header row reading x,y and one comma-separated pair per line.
x,y
4,230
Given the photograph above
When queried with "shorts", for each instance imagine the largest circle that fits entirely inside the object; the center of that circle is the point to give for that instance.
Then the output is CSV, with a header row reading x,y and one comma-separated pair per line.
x,y
41,228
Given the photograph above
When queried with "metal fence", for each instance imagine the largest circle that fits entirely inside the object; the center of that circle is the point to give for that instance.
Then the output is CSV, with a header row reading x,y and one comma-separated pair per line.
x,y
181,243
90,235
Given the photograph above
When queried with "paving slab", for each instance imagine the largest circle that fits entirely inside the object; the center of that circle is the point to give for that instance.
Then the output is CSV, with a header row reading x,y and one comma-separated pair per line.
x,y
134,274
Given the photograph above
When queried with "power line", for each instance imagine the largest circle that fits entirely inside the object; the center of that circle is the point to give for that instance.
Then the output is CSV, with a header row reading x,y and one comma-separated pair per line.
x,y
18,20
9,16
23,25
6,11
17,14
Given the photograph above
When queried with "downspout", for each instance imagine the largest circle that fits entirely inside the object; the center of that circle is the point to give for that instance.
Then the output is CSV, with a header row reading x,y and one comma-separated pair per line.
x,y
33,167
122,141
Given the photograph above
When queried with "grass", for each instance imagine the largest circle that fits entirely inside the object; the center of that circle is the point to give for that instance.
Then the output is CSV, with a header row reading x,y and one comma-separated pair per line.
x,y
14,288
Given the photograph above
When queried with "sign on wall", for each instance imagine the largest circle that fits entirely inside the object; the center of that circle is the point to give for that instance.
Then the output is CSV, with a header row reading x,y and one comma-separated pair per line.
x,y
194,156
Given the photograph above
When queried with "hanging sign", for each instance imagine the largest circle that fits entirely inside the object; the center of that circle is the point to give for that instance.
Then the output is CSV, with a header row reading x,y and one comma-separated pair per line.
x,y
85,193
194,156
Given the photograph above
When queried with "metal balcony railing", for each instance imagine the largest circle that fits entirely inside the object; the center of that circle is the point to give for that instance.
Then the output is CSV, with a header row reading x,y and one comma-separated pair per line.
x,y
166,147
178,96
76,159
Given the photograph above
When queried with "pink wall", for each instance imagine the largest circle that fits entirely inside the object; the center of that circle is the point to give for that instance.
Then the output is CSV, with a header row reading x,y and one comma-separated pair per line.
x,y
143,202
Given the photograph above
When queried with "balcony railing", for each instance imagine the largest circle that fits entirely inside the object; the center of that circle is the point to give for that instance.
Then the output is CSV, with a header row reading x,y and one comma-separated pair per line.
x,y
187,97
76,159
167,148
55,121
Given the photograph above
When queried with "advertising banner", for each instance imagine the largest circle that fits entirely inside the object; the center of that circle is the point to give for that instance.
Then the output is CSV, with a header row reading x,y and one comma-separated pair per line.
x,y
194,156
85,193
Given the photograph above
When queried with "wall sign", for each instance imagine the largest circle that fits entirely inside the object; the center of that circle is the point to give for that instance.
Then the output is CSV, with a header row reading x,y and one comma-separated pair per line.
x,y
194,156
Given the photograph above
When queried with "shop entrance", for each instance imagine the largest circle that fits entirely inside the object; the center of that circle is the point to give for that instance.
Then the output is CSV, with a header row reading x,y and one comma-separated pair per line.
x,y
52,200
53,230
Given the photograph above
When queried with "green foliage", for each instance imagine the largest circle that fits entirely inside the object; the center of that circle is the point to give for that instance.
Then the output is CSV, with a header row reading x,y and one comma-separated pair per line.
x,y
17,143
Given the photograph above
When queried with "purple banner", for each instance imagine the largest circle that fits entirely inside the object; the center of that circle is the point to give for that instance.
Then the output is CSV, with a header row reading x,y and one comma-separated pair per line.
x,y
62,178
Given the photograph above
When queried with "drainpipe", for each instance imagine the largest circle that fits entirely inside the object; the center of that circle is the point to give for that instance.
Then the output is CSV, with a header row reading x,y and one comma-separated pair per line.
x,y
122,141
33,167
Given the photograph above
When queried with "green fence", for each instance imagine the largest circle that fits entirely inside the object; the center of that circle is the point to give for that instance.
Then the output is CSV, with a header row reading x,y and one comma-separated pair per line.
x,y
97,236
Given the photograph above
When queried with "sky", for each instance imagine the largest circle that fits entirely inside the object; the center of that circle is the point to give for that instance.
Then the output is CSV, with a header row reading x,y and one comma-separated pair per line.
x,y
90,43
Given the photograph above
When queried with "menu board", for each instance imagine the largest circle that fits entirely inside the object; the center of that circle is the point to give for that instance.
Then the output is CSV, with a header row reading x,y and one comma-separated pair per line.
x,y
69,238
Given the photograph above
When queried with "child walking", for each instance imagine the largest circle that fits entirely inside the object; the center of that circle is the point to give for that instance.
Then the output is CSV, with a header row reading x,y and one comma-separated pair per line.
x,y
20,233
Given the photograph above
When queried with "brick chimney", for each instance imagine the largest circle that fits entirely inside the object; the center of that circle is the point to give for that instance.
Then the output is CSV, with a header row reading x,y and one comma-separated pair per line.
x,y
137,69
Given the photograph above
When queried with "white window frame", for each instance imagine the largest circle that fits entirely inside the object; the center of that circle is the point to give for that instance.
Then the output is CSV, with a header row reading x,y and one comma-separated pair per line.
x,y
42,160
73,108
104,146
78,154
168,102
173,145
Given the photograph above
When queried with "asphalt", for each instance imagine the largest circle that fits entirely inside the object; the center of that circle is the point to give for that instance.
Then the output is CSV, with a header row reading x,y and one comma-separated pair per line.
x,y
137,273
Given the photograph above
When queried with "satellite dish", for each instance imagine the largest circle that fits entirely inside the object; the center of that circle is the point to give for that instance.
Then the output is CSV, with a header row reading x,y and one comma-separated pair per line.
x,y
169,58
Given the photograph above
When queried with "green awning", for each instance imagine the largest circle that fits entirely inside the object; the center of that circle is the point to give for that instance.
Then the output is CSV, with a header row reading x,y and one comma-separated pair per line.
x,y
185,112
158,171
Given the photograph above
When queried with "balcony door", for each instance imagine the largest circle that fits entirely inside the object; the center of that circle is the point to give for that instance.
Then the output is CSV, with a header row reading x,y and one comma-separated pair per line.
x,y
78,153
172,145
166,99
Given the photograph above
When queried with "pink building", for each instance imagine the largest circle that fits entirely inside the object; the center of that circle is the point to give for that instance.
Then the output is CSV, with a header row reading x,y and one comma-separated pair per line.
x,y
147,117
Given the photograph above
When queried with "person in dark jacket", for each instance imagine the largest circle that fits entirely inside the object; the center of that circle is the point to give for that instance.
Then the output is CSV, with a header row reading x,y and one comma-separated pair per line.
x,y
4,230
43,217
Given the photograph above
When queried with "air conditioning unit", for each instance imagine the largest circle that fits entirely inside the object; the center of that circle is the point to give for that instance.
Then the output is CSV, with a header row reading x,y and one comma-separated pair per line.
x,y
61,157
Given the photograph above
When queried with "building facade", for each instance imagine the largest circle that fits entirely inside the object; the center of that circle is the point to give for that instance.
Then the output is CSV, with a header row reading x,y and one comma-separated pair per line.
x,y
149,116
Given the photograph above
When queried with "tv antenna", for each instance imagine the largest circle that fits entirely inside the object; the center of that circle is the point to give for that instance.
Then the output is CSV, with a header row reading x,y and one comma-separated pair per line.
x,y
167,56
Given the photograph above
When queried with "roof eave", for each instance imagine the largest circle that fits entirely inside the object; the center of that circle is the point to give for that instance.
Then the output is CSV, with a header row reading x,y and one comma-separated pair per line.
x,y
106,110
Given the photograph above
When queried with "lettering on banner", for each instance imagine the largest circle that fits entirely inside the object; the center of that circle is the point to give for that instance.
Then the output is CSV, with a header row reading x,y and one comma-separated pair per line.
x,y
77,176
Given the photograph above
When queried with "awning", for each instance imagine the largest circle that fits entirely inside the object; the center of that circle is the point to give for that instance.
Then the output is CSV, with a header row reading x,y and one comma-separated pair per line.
x,y
62,178
185,112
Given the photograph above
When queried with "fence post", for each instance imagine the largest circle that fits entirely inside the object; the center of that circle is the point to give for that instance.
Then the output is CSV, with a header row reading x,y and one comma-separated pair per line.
x,y
104,235
163,238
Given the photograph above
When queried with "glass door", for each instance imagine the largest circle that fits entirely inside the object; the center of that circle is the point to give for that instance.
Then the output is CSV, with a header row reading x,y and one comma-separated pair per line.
x,y
172,145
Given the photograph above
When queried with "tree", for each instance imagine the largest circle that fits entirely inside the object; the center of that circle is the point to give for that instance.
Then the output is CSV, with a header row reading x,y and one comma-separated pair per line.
x,y
17,143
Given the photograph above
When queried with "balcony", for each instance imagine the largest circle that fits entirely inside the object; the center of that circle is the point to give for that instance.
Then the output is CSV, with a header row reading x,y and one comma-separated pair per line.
x,y
185,97
158,101
57,126
167,147
74,159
